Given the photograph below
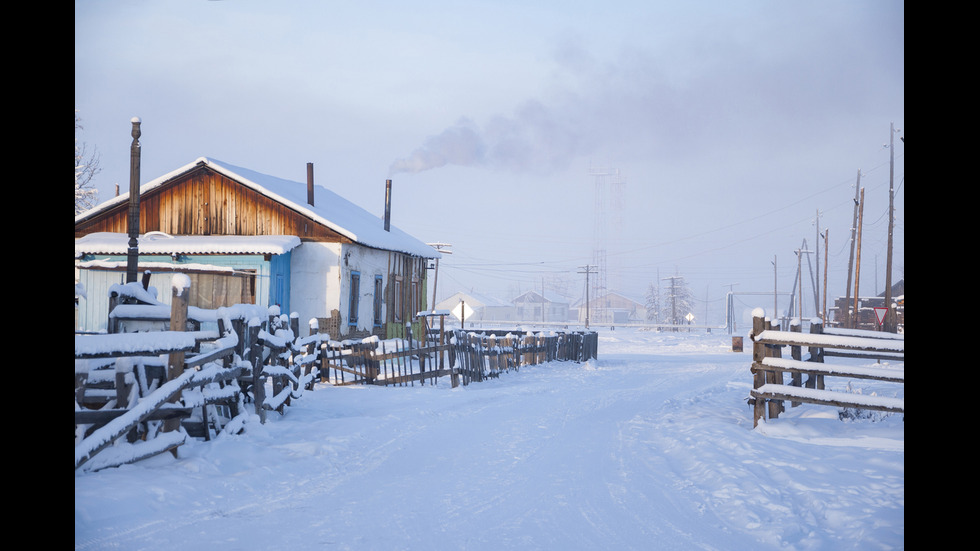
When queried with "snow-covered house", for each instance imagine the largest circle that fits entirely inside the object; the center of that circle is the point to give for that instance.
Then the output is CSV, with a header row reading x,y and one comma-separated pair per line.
x,y
610,307
477,307
535,306
247,237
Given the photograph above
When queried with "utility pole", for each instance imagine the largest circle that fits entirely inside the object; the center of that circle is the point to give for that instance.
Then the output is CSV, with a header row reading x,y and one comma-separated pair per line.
x,y
775,282
730,316
857,270
816,245
588,270
850,263
891,321
442,248
826,246
799,273
673,299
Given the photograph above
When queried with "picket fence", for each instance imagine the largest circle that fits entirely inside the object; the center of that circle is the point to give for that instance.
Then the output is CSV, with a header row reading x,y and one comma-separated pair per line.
x,y
141,394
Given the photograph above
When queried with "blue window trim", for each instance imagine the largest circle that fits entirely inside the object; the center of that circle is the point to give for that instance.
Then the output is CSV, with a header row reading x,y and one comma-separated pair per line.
x,y
378,300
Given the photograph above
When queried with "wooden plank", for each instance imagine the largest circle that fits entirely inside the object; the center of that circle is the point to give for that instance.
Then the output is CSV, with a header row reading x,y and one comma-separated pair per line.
x,y
838,342
103,416
815,368
125,453
829,398
408,378
116,345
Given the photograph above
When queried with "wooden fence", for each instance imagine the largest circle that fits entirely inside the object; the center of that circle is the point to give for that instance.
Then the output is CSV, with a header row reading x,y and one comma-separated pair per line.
x,y
141,394
770,390
487,354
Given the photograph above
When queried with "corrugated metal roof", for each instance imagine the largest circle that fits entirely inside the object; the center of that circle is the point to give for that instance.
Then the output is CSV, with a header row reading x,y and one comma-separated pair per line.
x,y
161,243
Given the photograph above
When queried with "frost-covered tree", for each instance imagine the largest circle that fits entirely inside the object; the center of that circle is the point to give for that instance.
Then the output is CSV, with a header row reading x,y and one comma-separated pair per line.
x,y
653,303
86,167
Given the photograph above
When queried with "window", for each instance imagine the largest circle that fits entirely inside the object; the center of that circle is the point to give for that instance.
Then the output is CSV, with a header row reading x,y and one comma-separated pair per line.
x,y
378,300
214,290
397,300
355,294
416,303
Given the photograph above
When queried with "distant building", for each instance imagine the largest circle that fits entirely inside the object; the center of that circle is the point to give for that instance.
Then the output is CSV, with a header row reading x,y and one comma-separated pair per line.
x,y
866,318
534,306
477,307
612,307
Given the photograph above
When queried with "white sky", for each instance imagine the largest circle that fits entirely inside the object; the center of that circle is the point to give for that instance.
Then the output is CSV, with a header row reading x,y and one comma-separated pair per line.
x,y
732,125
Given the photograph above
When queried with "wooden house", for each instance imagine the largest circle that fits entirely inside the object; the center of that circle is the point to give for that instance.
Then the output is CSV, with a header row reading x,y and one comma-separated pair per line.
x,y
246,237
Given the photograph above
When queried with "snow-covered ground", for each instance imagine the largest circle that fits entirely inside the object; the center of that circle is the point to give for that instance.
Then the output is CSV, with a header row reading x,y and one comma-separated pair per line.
x,y
650,446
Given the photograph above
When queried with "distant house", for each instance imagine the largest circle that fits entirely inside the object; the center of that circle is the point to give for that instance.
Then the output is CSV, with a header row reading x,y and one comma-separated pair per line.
x,y
477,307
246,237
534,306
611,307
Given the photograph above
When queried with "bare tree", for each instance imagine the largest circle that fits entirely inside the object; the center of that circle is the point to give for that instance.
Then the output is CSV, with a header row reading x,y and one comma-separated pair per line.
x,y
86,167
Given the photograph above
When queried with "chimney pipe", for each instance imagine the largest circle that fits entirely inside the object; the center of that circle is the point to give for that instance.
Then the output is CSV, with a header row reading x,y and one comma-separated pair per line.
x,y
387,205
133,222
309,183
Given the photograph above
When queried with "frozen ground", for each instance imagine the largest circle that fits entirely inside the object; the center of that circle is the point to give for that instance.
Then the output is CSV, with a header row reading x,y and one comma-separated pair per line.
x,y
649,447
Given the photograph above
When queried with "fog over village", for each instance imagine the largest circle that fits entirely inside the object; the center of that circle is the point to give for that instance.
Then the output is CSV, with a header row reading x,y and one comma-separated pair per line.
x,y
489,275
709,142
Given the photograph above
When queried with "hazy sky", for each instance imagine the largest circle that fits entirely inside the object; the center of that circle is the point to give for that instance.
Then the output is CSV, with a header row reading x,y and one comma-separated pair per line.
x,y
731,126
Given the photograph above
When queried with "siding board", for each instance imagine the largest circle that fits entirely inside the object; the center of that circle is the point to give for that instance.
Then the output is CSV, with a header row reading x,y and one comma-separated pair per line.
x,y
203,202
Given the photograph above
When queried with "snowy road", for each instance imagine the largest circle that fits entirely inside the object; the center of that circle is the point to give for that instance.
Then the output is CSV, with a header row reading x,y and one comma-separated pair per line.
x,y
649,447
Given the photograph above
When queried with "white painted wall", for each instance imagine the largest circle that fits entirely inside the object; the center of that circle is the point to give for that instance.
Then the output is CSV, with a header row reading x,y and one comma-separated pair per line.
x,y
314,288
370,263
321,282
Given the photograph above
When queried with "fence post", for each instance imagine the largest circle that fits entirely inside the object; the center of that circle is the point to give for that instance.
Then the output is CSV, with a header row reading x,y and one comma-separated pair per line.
x,y
816,353
311,350
759,353
180,289
258,379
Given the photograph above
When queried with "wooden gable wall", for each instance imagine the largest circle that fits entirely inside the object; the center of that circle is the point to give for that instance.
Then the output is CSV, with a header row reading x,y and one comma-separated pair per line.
x,y
204,202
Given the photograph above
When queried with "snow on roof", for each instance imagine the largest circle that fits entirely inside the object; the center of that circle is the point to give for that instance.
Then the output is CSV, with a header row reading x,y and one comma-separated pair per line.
x,y
331,209
161,243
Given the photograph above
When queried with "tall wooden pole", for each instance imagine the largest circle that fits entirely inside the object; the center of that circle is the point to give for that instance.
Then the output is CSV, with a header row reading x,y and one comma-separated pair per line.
x,y
857,268
133,222
891,323
775,281
850,263
799,273
816,287
826,246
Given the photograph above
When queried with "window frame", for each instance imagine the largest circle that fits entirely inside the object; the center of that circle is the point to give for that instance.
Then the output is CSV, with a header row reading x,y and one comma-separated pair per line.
x,y
354,298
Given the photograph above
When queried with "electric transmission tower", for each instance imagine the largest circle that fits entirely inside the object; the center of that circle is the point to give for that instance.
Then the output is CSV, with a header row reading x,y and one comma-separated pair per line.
x,y
609,190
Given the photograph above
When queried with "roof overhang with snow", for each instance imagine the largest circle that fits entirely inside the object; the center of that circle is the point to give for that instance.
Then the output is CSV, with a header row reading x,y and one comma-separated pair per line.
x,y
332,210
160,243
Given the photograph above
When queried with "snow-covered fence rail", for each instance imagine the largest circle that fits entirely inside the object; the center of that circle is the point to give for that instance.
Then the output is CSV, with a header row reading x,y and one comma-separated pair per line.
x,y
125,382
139,406
768,367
